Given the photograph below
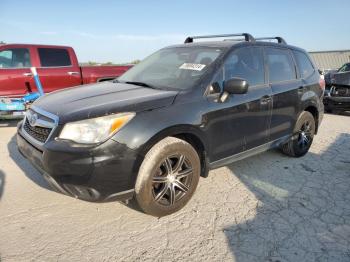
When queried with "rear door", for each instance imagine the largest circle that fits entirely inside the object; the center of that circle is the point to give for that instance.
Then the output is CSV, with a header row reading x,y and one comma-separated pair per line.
x,y
15,75
286,91
58,68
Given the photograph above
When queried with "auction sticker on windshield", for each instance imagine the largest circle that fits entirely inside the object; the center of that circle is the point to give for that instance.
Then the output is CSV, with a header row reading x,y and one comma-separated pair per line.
x,y
189,66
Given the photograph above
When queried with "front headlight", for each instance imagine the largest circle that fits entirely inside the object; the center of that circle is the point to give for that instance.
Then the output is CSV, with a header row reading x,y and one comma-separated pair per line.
x,y
95,130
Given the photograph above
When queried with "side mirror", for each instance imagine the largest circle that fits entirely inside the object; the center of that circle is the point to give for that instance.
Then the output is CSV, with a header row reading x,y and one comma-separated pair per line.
x,y
236,86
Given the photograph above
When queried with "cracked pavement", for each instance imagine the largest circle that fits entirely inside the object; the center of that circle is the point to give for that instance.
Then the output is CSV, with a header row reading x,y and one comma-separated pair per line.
x,y
265,208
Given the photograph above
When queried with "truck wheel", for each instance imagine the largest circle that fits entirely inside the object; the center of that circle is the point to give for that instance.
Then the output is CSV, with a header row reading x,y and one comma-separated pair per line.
x,y
168,177
304,131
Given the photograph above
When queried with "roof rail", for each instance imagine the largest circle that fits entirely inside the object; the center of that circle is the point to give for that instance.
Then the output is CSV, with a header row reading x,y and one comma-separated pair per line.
x,y
279,39
247,37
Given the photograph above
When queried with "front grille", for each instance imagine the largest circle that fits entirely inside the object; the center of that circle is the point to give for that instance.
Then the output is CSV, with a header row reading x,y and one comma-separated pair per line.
x,y
38,125
341,91
37,132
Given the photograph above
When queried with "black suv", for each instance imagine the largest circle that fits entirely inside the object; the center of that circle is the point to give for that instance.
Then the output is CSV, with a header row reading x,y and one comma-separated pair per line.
x,y
185,109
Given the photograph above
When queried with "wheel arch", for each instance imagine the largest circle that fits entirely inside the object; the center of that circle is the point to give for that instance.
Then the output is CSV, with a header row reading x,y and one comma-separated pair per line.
x,y
314,111
188,133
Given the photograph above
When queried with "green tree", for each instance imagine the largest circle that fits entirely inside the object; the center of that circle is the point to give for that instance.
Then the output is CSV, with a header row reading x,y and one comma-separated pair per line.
x,y
135,62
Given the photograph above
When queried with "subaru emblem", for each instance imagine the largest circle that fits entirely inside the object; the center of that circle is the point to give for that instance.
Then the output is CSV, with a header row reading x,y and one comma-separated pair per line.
x,y
32,119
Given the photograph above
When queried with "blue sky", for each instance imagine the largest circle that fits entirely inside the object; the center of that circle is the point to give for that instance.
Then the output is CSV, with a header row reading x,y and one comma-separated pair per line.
x,y
121,31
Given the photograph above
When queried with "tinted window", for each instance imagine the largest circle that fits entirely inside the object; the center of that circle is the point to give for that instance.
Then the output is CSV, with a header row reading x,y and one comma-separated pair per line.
x,y
304,64
15,58
54,57
280,64
246,63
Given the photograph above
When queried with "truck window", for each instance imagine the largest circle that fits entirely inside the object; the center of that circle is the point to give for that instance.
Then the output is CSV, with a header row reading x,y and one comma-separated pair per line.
x,y
54,57
246,63
304,64
280,64
15,58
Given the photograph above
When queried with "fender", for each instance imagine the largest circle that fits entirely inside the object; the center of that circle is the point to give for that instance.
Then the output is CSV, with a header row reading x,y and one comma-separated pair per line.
x,y
186,132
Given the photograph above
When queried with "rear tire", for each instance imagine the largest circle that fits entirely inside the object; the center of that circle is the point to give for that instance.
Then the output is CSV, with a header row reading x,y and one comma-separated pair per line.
x,y
303,134
168,177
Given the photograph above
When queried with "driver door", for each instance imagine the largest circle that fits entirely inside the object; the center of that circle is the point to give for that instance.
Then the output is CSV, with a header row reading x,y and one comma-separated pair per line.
x,y
242,121
15,75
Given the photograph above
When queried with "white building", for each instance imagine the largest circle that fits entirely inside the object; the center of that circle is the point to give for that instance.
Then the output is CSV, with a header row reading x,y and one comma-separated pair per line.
x,y
330,59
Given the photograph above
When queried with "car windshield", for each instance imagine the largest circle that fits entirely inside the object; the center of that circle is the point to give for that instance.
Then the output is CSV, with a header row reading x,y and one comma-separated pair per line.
x,y
344,68
172,68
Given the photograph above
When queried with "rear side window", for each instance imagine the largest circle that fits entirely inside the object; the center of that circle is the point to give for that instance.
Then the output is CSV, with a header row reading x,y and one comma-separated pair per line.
x,y
246,63
304,64
15,58
53,57
280,64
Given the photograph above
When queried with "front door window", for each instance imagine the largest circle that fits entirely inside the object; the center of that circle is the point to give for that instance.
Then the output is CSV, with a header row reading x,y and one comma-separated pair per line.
x,y
15,58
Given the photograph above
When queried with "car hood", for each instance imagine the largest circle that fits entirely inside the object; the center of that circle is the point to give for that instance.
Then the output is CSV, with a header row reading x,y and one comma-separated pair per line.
x,y
101,99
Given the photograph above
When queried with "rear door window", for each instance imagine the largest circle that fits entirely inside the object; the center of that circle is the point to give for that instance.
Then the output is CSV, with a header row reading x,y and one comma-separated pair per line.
x,y
246,63
304,64
15,58
280,64
54,57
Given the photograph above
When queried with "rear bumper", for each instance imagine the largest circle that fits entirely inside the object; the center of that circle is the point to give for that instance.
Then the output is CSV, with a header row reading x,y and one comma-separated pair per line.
x,y
103,173
336,103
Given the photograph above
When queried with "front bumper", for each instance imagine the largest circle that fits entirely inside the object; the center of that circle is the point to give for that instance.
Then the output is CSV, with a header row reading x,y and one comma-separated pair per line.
x,y
336,103
102,173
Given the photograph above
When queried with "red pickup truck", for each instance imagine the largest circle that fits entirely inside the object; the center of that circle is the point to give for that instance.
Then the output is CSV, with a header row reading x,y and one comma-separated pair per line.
x,y
57,67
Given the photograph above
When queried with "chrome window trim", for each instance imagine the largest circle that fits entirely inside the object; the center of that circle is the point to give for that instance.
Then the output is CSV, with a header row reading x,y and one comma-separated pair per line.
x,y
14,68
49,67
37,67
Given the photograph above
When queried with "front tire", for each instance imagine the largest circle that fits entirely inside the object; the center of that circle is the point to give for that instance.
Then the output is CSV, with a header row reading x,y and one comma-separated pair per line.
x,y
303,134
168,177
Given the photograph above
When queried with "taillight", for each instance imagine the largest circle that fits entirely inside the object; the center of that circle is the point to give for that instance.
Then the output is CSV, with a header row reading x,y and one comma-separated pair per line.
x,y
322,84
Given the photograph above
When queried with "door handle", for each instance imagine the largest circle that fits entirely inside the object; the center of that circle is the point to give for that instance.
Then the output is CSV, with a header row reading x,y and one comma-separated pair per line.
x,y
73,73
27,74
265,100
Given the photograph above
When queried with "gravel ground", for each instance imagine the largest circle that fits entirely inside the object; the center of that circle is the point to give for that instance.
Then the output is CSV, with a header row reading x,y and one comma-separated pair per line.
x,y
265,208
